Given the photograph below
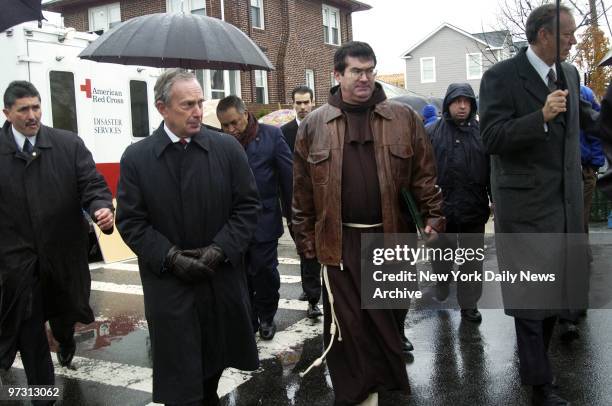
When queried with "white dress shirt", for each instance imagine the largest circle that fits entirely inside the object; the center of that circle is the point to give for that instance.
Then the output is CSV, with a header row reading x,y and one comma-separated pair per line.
x,y
20,139
173,136
540,66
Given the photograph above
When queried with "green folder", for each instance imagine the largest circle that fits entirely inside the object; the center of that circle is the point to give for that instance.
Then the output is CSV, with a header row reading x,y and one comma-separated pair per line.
x,y
414,211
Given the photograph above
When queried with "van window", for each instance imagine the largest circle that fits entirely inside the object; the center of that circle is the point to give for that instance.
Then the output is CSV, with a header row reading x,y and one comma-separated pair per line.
x,y
140,110
63,100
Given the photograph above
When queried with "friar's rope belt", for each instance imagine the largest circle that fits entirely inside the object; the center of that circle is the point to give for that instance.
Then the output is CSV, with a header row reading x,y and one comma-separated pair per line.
x,y
358,225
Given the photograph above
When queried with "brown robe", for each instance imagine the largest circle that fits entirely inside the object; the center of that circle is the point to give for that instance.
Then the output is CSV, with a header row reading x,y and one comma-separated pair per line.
x,y
369,357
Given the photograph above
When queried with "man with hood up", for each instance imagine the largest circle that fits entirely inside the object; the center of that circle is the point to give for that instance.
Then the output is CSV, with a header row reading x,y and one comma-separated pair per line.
x,y
463,175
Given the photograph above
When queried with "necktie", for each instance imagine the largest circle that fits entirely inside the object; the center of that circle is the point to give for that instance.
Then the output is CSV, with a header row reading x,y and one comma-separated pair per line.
x,y
27,147
183,142
552,79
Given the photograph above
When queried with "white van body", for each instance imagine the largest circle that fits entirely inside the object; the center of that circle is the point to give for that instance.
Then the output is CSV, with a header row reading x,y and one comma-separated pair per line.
x,y
109,106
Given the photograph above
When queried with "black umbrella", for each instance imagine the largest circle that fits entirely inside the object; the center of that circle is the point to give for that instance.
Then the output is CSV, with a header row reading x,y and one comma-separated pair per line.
x,y
19,11
176,40
417,102
560,82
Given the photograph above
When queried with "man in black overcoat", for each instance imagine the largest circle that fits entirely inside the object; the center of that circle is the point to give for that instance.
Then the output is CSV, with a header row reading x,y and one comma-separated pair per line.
x,y
187,205
48,179
531,129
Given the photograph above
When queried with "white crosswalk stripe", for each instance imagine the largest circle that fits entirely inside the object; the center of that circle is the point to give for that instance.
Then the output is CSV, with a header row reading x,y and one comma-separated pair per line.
x,y
122,375
110,287
140,378
125,266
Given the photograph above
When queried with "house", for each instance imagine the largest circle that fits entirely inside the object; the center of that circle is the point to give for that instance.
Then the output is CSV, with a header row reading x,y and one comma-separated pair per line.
x,y
450,54
299,37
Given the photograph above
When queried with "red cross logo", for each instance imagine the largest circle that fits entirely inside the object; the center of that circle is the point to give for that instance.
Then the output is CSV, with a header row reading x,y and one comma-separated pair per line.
x,y
87,88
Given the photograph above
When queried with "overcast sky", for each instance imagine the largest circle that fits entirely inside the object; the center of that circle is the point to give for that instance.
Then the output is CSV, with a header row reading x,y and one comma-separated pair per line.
x,y
391,27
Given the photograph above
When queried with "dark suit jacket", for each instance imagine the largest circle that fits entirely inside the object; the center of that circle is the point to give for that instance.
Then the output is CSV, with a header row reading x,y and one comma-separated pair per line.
x,y
272,164
536,176
290,131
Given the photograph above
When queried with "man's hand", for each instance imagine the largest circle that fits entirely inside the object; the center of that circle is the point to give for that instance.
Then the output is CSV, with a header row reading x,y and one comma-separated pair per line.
x,y
210,256
185,267
556,103
104,219
431,235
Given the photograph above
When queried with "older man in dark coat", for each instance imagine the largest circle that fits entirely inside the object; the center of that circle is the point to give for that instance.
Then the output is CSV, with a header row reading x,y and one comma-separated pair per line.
x,y
270,160
48,179
188,207
531,129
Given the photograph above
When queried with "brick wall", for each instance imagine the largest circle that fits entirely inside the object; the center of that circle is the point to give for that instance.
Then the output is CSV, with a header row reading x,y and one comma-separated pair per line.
x,y
292,38
135,8
77,15
307,49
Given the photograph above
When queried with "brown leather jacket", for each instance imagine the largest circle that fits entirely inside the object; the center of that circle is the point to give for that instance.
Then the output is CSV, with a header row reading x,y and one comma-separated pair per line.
x,y
404,158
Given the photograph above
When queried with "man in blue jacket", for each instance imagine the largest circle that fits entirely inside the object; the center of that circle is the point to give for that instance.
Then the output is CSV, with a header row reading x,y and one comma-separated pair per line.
x,y
271,162
592,157
430,115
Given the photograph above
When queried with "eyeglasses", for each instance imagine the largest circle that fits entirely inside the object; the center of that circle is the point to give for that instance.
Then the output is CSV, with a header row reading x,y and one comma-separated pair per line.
x,y
356,73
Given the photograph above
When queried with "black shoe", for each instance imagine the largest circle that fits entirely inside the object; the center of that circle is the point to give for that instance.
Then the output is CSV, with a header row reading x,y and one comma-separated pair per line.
x,y
313,311
472,315
65,353
267,330
442,290
303,297
544,395
568,331
407,346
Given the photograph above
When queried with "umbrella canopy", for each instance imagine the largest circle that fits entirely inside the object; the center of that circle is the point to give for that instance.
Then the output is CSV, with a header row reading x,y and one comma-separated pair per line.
x,y
19,11
177,40
278,118
417,102
392,90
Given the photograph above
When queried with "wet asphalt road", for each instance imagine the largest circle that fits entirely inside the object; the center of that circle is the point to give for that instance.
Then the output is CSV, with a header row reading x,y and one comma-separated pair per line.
x,y
454,362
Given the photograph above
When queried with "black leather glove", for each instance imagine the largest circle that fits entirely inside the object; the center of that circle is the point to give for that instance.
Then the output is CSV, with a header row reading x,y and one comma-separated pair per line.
x,y
185,267
210,256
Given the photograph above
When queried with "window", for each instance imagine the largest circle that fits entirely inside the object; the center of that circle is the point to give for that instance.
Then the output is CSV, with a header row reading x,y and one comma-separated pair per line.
x,y
140,109
310,82
234,82
261,87
218,84
473,63
104,17
333,82
187,6
63,101
331,25
257,16
428,70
